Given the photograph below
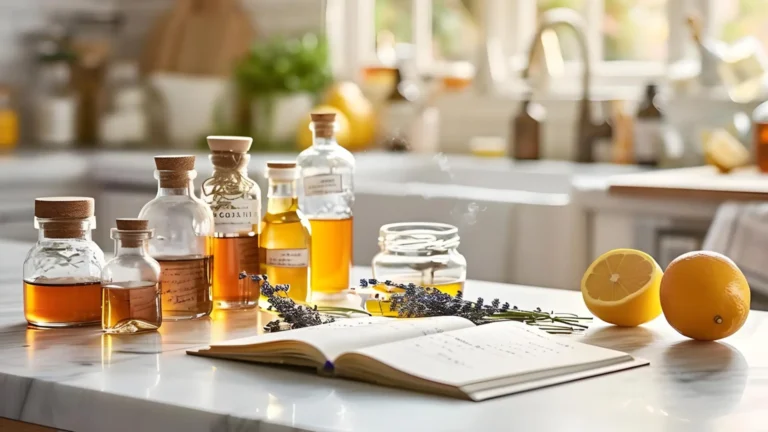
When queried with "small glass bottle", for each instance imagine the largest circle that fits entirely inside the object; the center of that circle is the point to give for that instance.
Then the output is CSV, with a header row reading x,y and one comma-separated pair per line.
x,y
130,293
326,197
235,201
285,237
760,136
183,227
423,253
62,272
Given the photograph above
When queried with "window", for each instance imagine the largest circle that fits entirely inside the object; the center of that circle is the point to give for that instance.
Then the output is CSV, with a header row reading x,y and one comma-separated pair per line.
x,y
629,41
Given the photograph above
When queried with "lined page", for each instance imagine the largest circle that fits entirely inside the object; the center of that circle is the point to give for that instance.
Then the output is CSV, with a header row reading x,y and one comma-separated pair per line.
x,y
351,334
484,353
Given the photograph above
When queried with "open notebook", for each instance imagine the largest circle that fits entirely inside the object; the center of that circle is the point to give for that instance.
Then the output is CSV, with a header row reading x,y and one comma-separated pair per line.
x,y
444,355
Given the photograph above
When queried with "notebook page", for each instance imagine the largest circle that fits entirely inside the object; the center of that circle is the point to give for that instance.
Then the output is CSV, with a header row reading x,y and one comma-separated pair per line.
x,y
486,352
351,334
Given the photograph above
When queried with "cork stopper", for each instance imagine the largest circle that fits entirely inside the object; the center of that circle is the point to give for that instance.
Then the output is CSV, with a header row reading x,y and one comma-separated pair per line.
x,y
281,165
132,224
175,163
323,124
64,207
282,171
132,232
173,170
234,144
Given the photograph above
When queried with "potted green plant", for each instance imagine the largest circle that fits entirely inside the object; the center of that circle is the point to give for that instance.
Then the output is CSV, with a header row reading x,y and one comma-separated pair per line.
x,y
279,81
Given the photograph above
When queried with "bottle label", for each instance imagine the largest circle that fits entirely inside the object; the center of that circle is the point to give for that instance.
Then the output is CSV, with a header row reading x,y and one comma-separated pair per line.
x,y
184,283
57,120
238,215
287,257
143,302
322,184
647,142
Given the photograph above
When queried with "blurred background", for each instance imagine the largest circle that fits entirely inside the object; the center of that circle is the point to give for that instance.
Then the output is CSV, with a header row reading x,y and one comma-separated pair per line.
x,y
508,118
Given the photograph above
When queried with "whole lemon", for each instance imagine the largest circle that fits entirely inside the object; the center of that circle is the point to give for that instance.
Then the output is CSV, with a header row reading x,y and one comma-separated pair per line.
x,y
621,287
341,130
704,296
347,97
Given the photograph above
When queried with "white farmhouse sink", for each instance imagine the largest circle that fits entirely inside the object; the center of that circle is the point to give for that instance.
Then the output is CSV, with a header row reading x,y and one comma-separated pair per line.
x,y
515,219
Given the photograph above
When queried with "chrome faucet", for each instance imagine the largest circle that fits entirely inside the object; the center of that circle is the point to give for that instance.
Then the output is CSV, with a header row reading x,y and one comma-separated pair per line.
x,y
526,135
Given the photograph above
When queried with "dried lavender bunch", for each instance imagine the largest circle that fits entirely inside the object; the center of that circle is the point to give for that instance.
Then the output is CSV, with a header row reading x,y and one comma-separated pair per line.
x,y
418,301
296,316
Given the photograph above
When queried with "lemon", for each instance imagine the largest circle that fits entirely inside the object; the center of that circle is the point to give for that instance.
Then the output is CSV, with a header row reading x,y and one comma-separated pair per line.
x,y
705,296
622,287
347,97
341,130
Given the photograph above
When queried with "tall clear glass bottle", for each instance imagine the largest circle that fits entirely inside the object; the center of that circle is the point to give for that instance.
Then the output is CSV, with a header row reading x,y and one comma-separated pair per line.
x,y
183,227
285,233
62,272
130,293
235,201
326,197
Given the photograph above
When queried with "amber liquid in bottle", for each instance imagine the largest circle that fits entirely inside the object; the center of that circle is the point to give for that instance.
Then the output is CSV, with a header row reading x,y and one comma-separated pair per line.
x,y
285,242
64,304
761,146
234,255
332,240
186,287
131,307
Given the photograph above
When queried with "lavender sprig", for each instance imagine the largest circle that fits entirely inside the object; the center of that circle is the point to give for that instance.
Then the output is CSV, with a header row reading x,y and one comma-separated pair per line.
x,y
296,316
418,301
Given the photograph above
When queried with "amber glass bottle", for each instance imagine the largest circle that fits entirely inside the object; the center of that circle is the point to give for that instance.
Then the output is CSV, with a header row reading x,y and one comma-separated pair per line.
x,y
235,201
285,233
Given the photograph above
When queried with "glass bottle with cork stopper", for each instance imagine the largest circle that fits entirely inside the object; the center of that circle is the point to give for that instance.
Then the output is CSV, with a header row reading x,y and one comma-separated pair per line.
x,y
235,201
285,238
131,297
183,227
62,272
326,196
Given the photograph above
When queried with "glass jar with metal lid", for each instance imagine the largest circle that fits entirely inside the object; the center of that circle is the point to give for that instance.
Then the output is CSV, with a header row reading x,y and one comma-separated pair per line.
x,y
423,253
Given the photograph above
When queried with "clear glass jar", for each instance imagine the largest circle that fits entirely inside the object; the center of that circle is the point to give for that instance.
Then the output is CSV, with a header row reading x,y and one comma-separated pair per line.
x,y
326,196
423,253
62,272
183,227
235,201
131,300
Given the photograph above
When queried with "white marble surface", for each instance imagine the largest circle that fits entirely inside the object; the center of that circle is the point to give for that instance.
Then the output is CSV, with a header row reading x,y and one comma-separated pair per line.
x,y
81,380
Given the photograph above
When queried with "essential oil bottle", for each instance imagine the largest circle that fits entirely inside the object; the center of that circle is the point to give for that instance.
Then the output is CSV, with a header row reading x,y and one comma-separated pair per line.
x,y
183,227
62,272
285,233
235,201
130,293
326,196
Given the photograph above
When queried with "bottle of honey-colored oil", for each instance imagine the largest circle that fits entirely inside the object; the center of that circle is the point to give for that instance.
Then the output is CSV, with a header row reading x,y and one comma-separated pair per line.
x,y
131,295
326,196
62,272
285,233
235,201
183,227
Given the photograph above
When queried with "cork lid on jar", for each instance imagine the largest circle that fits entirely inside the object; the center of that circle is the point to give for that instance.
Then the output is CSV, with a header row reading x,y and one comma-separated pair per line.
x,y
64,207
175,163
234,144
323,124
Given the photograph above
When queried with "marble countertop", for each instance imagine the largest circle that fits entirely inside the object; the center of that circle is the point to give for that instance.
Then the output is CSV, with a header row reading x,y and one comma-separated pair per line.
x,y
83,380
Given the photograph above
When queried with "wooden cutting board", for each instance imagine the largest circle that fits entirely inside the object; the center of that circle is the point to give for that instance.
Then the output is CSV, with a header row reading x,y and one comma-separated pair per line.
x,y
700,183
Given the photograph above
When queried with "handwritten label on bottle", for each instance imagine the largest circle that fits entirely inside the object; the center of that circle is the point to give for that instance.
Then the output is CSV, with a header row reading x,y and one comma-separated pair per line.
x,y
184,283
239,215
143,302
287,257
322,184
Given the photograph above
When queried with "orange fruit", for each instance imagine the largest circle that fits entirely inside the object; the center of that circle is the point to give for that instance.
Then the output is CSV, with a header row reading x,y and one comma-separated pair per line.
x,y
705,296
622,287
